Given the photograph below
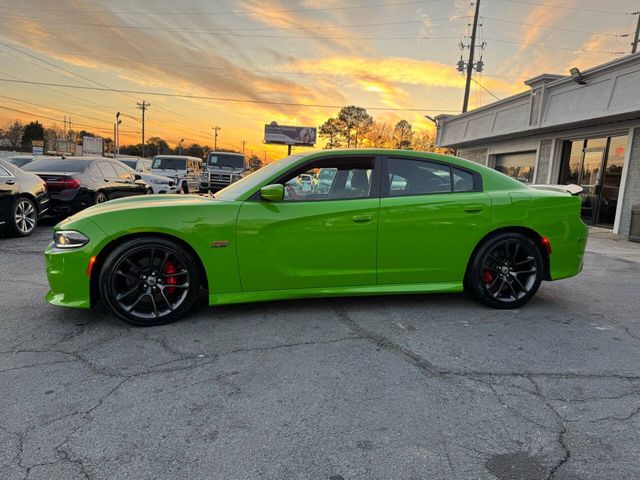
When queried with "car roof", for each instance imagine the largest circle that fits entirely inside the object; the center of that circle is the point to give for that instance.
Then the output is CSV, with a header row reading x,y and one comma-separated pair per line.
x,y
226,153
177,156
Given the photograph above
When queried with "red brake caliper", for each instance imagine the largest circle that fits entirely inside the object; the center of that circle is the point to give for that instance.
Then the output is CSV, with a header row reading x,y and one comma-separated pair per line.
x,y
169,269
488,277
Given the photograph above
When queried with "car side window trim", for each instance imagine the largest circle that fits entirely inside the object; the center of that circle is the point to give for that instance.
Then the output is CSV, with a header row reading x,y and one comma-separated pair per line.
x,y
384,186
374,191
4,173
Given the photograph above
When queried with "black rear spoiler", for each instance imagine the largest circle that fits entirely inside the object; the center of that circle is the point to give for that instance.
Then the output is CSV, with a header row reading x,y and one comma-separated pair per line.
x,y
572,188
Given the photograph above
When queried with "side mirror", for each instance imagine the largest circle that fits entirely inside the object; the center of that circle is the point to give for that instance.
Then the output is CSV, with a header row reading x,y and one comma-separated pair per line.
x,y
272,193
137,177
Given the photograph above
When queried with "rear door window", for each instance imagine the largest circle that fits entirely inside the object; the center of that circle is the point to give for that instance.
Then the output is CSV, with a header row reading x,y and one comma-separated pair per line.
x,y
417,177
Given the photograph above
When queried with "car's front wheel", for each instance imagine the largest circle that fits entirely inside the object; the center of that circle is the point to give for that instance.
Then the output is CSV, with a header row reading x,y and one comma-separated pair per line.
x,y
149,281
506,271
24,216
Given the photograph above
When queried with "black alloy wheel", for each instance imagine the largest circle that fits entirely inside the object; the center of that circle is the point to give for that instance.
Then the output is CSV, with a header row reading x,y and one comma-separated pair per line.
x,y
149,281
24,216
506,271
100,197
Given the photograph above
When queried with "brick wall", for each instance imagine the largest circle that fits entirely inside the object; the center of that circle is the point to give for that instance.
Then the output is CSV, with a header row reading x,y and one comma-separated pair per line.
x,y
632,187
478,155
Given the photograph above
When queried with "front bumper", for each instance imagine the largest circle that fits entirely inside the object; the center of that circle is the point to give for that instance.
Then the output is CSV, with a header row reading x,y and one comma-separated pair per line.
x,y
67,270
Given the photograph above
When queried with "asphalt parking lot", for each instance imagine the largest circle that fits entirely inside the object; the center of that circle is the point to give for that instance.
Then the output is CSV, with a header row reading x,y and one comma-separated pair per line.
x,y
411,387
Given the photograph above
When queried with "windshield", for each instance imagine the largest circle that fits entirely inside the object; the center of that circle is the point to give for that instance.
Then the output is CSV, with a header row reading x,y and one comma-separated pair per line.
x,y
169,163
270,171
57,165
129,163
221,160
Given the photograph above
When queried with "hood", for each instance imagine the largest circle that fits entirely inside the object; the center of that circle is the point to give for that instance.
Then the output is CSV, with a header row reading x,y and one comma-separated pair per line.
x,y
142,201
212,169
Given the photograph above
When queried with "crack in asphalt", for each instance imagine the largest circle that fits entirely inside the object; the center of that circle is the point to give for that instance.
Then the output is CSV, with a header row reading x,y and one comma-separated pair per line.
x,y
430,369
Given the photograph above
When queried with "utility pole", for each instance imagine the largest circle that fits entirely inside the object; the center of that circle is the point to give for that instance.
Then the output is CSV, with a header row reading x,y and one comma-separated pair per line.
x,y
143,106
216,129
472,48
243,142
636,38
116,135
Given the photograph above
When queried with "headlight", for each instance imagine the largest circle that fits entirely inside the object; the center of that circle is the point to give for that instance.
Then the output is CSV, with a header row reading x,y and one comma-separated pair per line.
x,y
69,239
236,177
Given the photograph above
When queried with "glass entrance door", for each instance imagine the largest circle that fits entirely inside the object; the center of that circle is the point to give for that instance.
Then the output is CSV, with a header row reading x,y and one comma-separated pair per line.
x,y
610,181
596,165
590,182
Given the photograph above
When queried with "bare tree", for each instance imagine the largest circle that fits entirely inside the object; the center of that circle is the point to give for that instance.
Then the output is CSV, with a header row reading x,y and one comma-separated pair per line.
x,y
380,135
12,133
424,141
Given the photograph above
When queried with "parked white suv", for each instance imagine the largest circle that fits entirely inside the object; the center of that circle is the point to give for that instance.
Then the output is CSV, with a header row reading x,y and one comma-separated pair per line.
x,y
183,170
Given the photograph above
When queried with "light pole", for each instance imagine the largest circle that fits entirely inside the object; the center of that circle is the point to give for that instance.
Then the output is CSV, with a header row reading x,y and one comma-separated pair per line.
x,y
180,146
216,129
117,133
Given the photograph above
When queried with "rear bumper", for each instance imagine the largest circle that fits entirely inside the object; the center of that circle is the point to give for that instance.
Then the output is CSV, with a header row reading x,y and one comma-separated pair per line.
x,y
567,256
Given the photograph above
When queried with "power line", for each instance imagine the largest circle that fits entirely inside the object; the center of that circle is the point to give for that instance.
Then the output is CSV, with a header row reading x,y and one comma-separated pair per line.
x,y
230,12
87,79
219,99
564,7
224,34
549,27
93,127
485,88
75,114
554,47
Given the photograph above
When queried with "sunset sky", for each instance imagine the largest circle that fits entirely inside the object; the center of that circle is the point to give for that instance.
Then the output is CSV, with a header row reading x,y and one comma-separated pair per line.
x,y
285,59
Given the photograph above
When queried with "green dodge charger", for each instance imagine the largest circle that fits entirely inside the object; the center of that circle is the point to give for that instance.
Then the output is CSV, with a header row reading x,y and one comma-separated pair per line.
x,y
369,222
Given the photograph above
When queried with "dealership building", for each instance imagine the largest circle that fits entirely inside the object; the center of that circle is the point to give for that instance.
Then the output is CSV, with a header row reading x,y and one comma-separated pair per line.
x,y
581,128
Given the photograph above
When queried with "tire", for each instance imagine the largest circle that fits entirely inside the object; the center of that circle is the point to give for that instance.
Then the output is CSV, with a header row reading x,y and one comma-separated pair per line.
x,y
126,286
184,188
506,271
148,191
100,197
24,217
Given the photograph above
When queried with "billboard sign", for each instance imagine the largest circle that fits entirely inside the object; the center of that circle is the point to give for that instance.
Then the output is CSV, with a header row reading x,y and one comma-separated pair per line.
x,y
38,147
289,135
91,146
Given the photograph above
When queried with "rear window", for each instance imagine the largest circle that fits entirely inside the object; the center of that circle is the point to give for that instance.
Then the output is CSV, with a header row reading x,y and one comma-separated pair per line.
x,y
19,161
168,163
57,166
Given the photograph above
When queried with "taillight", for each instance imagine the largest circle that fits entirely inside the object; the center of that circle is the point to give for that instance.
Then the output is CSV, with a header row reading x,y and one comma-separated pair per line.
x,y
63,184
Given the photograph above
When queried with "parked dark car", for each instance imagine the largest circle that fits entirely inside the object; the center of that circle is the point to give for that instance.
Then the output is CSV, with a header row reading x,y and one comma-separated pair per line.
x,y
75,183
23,199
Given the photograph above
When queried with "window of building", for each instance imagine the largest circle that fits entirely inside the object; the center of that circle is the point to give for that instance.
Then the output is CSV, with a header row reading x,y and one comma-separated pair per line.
x,y
520,166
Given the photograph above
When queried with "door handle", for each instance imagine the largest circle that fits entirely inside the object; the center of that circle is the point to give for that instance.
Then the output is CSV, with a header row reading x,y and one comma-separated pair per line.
x,y
473,208
10,182
362,218
105,179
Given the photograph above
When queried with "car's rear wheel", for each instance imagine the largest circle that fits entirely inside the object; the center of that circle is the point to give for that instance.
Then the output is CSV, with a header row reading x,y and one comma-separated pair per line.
x,y
506,271
100,197
149,281
24,216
